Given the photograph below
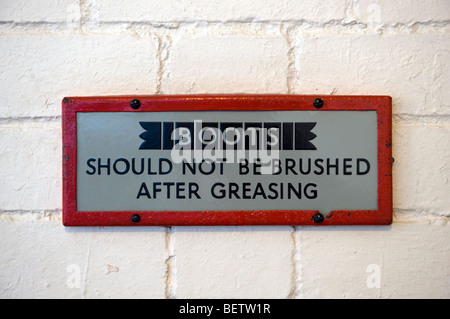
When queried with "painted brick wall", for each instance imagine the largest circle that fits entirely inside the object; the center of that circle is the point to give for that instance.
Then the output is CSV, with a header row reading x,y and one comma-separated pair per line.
x,y
55,48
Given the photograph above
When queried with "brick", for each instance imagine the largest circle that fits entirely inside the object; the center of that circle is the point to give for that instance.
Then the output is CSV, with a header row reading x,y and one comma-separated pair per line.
x,y
409,67
382,12
421,173
31,168
403,260
184,10
40,11
42,259
228,64
42,69
233,262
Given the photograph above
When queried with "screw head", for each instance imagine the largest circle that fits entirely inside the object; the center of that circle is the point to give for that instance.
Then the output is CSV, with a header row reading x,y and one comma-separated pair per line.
x,y
318,103
135,218
135,104
318,218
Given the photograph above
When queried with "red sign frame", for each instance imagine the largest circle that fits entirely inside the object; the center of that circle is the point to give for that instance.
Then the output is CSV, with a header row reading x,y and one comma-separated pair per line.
x,y
72,105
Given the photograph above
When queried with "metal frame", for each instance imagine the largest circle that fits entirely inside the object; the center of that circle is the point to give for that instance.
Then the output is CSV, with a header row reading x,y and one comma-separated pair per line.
x,y
72,105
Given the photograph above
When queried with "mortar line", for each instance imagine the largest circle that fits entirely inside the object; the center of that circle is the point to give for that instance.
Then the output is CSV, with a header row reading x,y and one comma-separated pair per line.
x,y
85,275
20,120
286,32
33,211
81,6
171,280
296,276
305,24
404,118
159,71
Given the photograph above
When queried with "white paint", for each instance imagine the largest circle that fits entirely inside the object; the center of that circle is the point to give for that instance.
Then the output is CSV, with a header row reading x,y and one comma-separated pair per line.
x,y
54,48
374,279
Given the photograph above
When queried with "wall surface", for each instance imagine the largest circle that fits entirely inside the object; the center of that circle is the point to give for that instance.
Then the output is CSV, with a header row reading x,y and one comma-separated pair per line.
x,y
55,48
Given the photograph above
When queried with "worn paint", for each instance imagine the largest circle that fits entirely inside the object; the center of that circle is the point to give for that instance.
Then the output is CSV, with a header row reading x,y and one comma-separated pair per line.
x,y
72,105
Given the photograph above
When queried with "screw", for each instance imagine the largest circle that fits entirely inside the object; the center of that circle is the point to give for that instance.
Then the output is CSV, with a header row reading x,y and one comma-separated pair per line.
x,y
318,218
135,218
135,104
318,103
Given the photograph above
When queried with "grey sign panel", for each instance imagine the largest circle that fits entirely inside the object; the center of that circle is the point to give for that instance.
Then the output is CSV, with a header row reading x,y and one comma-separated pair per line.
x,y
320,160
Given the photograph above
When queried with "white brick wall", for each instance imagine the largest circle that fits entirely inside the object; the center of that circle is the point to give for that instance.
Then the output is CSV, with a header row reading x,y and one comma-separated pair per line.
x,y
227,63
41,69
54,48
41,259
233,10
382,12
347,257
233,262
49,11
413,64
31,178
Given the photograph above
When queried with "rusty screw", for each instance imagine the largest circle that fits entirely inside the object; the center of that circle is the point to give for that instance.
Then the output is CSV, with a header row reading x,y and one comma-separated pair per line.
x,y
318,218
318,103
135,218
135,104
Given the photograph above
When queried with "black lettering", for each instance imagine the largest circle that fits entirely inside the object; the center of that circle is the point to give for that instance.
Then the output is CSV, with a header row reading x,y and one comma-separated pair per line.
x,y
213,139
298,136
161,171
252,135
133,166
347,166
190,127
167,135
156,189
91,166
193,190
259,191
321,169
273,190
233,189
150,172
313,193
336,166
281,191
211,170
179,190
298,192
256,166
301,167
107,166
151,136
222,192
243,167
358,166
143,191
290,165
246,188
231,129
168,187
288,136
189,166
127,166
276,166
273,129
303,136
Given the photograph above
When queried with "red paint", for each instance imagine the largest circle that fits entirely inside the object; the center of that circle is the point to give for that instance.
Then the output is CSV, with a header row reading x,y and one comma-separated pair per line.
x,y
381,104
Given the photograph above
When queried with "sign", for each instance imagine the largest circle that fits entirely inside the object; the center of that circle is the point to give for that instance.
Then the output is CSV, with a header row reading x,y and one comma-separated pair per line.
x,y
227,160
